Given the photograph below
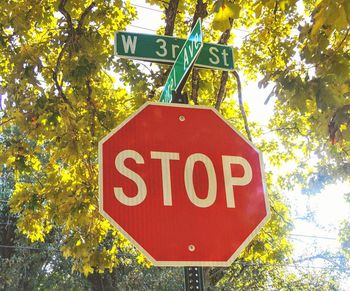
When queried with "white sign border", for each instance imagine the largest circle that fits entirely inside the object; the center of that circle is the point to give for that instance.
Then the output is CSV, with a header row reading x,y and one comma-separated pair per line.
x,y
170,62
134,242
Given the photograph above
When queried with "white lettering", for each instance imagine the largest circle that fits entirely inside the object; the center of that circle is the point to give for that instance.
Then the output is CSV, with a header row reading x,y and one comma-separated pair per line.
x,y
186,62
129,44
238,181
173,50
140,183
230,180
191,49
197,42
174,78
213,51
165,158
162,47
212,185
225,54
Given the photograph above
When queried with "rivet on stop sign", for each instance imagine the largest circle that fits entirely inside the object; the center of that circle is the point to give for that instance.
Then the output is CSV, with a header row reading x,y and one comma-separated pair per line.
x,y
182,118
191,248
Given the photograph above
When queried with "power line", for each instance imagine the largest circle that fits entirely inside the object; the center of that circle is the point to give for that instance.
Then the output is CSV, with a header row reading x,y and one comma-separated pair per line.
x,y
144,28
26,248
49,249
313,236
160,11
291,234
345,270
147,8
153,30
296,265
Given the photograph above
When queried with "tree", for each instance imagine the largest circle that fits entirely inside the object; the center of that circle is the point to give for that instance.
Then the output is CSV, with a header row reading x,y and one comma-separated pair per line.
x,y
26,266
59,99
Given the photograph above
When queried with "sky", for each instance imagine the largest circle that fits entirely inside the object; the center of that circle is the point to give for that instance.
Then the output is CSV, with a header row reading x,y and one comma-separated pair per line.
x,y
328,208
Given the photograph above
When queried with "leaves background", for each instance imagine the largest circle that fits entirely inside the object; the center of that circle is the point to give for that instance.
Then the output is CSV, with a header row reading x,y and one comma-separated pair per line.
x,y
59,98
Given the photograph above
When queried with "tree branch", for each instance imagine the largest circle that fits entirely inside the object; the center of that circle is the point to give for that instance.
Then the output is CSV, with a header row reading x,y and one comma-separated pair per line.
x,y
55,74
92,107
334,124
6,121
343,40
83,15
283,219
60,56
323,256
276,8
195,85
170,16
224,76
200,12
66,15
241,107
59,88
272,93
225,35
68,18
222,90
295,128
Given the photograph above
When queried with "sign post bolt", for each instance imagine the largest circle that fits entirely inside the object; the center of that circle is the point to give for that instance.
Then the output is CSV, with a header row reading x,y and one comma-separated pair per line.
x,y
194,279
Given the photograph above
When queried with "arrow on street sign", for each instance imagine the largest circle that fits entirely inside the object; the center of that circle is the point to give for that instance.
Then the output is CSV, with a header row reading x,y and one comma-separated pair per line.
x,y
165,49
183,63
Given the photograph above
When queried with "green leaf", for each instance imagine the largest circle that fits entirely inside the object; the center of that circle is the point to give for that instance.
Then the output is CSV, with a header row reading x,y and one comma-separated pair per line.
x,y
347,9
217,6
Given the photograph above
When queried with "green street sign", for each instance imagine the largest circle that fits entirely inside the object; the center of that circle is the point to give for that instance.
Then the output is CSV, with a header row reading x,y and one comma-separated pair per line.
x,y
165,49
183,62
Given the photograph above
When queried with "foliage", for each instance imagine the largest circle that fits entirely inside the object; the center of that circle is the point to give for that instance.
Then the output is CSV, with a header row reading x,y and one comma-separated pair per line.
x,y
59,98
345,232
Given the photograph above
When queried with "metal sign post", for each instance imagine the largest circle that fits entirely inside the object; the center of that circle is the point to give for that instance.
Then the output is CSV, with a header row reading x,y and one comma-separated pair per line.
x,y
183,64
193,275
184,54
172,93
194,278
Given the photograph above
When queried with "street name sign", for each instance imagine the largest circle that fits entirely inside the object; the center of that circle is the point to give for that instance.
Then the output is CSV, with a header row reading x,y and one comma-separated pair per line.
x,y
165,49
182,185
183,63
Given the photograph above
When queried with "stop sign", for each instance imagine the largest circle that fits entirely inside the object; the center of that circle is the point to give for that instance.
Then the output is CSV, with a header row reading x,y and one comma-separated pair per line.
x,y
182,185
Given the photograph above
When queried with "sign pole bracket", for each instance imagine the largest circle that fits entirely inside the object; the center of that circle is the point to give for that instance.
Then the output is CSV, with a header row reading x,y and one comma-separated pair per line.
x,y
178,97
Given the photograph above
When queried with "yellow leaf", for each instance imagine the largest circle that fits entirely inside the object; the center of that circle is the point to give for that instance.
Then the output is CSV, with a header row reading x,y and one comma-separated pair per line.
x,y
220,22
87,269
319,20
227,12
10,160
258,9
343,127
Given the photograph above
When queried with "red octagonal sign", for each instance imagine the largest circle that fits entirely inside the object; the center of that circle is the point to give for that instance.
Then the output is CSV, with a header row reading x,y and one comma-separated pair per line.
x,y
182,185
